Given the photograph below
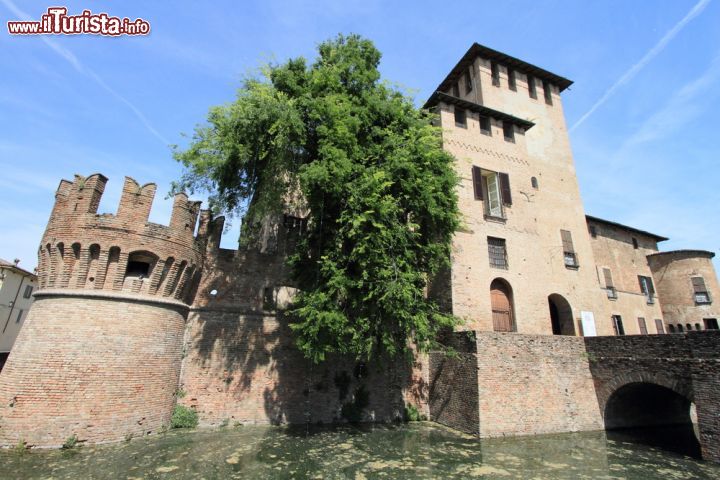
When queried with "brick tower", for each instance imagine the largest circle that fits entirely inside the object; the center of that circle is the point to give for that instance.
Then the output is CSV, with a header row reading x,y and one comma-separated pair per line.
x,y
100,354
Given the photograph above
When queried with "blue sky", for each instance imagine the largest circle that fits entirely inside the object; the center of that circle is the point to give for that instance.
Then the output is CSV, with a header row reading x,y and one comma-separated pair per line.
x,y
643,110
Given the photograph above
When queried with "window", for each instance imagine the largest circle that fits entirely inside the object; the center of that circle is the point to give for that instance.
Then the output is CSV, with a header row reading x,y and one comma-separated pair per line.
x,y
659,327
460,117
568,249
534,183
497,253
485,125
593,231
493,188
710,323
689,327
468,82
456,90
635,243
697,327
642,326
700,290
294,224
511,80
647,289
19,316
671,328
618,325
547,89
495,72
611,292
680,328
28,291
531,87
509,132
140,265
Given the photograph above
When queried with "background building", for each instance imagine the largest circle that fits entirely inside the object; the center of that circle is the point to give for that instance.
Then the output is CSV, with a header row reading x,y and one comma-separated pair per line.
x,y
16,288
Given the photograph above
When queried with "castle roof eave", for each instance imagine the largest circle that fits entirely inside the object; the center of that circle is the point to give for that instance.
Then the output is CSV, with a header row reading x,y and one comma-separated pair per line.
x,y
657,238
438,97
477,50
697,253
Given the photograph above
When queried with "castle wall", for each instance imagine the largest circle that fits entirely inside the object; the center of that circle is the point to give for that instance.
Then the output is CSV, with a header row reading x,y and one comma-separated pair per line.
x,y
613,249
102,368
244,367
511,384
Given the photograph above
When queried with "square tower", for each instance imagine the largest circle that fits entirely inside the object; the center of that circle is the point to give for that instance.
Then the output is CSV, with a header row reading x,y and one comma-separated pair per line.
x,y
522,260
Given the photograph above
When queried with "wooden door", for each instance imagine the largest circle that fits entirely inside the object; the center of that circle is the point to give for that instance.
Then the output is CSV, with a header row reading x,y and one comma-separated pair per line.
x,y
501,308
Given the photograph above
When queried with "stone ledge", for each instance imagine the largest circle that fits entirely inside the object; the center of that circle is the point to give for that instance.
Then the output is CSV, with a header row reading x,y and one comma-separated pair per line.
x,y
105,295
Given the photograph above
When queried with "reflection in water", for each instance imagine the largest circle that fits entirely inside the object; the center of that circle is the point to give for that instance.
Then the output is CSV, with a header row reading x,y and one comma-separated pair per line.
x,y
681,439
420,450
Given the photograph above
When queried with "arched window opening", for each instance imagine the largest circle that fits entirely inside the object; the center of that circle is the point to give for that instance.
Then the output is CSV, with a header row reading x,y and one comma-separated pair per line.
x,y
561,316
680,328
688,326
140,265
534,182
671,328
501,301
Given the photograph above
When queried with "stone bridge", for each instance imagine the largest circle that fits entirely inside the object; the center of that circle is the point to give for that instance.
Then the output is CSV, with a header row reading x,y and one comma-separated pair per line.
x,y
652,380
501,384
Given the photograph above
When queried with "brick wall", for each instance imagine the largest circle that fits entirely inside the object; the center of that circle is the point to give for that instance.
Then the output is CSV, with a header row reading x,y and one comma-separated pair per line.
x,y
243,367
99,368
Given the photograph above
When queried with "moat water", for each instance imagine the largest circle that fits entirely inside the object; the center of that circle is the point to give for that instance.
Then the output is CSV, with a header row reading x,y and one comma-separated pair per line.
x,y
413,451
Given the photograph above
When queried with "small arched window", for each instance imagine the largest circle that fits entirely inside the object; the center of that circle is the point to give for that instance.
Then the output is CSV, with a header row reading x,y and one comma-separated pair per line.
x,y
671,328
697,326
689,327
680,328
534,182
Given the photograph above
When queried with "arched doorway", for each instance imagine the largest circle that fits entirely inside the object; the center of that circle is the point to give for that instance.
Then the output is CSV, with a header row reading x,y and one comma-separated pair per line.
x,y
652,414
561,316
501,302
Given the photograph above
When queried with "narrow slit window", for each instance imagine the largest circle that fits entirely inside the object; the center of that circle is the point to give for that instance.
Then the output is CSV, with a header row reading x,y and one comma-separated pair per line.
x,y
495,72
547,90
511,80
532,89
460,117
485,125
456,90
468,82
642,326
509,132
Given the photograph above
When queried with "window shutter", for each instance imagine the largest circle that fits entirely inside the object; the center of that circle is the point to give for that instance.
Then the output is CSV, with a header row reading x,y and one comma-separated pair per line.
x,y
567,241
642,325
659,326
608,278
505,188
698,284
477,182
650,285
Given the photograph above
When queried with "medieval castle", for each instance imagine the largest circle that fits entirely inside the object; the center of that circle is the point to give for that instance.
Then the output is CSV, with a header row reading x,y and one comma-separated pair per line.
x,y
563,311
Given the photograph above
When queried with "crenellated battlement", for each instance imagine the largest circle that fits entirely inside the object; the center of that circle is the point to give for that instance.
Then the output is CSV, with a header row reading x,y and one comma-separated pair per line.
x,y
124,252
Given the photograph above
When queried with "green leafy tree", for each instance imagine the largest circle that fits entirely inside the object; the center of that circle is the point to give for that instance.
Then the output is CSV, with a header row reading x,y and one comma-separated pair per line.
x,y
370,170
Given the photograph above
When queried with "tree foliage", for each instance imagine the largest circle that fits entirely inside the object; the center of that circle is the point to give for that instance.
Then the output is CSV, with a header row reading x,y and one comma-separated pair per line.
x,y
377,185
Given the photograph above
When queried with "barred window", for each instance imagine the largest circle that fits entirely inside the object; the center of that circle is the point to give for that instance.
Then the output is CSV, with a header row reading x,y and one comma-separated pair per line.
x,y
497,253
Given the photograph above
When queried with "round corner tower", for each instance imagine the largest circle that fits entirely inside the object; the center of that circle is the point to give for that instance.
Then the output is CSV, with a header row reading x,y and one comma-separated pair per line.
x,y
100,353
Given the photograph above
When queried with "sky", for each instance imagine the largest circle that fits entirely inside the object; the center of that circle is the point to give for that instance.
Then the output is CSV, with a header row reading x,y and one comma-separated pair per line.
x,y
642,112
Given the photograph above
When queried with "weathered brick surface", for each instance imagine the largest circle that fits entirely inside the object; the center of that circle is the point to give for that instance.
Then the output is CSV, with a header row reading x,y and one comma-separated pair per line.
x,y
243,367
98,368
